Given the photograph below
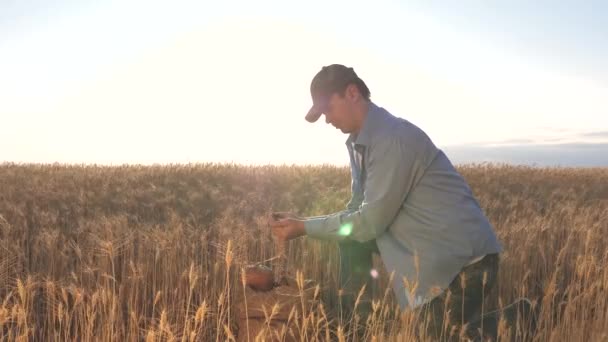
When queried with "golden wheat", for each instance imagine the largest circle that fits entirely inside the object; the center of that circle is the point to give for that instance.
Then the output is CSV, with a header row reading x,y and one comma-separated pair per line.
x,y
131,253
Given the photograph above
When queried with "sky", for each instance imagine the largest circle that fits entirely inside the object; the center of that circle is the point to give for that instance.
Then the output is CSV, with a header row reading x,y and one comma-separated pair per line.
x,y
114,82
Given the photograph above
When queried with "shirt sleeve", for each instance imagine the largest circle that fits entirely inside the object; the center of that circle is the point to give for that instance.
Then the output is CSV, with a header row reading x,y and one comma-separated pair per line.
x,y
392,171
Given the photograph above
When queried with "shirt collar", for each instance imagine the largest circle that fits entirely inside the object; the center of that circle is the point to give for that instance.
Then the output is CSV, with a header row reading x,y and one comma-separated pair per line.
x,y
364,135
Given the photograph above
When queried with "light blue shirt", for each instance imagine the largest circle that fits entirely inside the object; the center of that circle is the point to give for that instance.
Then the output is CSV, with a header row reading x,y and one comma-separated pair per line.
x,y
408,196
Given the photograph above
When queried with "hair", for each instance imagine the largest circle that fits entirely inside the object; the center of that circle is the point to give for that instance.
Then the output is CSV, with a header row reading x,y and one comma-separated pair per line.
x,y
363,89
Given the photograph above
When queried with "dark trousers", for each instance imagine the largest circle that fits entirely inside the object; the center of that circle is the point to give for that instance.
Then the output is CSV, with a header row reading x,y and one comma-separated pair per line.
x,y
356,265
462,303
443,317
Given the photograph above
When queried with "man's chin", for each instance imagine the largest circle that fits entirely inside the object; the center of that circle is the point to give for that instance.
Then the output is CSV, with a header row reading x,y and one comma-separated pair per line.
x,y
343,130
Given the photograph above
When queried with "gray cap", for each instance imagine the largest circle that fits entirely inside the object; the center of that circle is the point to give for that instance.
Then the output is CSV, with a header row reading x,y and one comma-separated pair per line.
x,y
331,79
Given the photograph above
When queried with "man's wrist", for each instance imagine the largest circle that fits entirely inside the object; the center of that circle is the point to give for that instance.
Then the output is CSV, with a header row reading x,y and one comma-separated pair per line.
x,y
301,228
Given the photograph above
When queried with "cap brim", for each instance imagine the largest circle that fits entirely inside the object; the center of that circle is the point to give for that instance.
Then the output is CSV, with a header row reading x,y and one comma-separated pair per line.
x,y
313,114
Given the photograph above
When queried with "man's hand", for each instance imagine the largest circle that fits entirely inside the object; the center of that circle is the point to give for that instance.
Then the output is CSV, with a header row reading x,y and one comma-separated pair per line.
x,y
286,226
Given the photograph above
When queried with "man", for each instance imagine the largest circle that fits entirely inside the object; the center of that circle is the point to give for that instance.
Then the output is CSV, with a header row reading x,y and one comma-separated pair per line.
x,y
408,203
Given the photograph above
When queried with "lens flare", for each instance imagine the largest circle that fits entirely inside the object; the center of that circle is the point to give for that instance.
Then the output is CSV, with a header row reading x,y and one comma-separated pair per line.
x,y
346,229
374,273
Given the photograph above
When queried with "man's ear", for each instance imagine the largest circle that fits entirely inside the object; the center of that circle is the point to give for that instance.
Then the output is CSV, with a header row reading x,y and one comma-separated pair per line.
x,y
352,92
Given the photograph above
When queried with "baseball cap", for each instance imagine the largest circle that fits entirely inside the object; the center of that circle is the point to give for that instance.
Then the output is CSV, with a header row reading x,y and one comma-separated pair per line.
x,y
329,80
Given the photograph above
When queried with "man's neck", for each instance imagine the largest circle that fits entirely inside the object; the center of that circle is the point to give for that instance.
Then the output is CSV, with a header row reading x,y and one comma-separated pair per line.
x,y
361,114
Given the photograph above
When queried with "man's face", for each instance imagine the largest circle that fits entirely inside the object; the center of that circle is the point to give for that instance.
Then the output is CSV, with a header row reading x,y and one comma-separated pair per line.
x,y
339,113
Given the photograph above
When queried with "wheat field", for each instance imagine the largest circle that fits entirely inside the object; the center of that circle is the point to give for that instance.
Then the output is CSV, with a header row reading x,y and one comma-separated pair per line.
x,y
155,253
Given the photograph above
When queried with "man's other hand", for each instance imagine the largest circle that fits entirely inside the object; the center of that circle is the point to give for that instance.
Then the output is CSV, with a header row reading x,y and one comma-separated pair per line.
x,y
286,226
